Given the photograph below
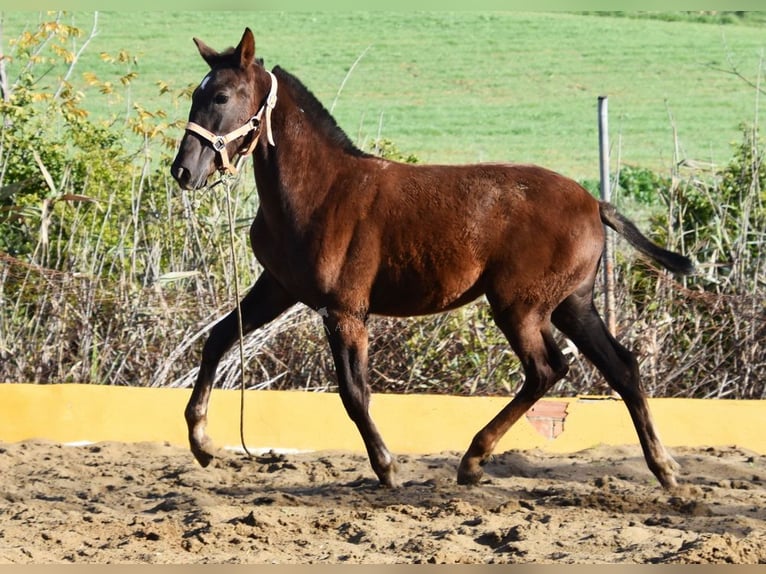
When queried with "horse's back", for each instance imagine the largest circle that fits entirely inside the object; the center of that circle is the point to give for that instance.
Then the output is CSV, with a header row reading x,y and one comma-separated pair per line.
x,y
487,208
450,233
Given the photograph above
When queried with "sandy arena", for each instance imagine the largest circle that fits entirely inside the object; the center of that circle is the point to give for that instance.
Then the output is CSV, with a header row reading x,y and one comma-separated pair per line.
x,y
151,503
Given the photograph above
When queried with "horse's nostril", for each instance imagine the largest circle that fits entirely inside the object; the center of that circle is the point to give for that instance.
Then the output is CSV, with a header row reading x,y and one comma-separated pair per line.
x,y
181,175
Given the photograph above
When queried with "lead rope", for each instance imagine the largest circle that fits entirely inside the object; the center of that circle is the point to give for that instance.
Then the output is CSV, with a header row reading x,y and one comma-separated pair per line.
x,y
228,182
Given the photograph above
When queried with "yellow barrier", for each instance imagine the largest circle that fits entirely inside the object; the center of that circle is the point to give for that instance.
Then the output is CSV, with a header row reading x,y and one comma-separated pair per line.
x,y
297,420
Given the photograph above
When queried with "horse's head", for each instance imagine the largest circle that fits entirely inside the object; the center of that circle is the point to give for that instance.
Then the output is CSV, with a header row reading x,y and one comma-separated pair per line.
x,y
226,111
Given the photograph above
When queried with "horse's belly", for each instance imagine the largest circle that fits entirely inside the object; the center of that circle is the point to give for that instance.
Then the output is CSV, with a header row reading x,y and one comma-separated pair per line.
x,y
423,294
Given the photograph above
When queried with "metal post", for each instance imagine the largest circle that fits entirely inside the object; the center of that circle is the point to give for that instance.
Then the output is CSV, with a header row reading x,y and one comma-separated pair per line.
x,y
606,194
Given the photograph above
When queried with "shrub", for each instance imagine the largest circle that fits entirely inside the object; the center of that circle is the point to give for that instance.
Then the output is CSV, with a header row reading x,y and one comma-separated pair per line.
x,y
93,247
708,331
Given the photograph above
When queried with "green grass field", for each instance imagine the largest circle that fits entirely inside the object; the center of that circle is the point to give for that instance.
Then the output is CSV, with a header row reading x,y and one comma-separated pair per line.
x,y
464,86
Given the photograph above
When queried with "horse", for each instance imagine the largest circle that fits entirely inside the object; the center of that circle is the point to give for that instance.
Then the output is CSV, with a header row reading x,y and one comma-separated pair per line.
x,y
350,235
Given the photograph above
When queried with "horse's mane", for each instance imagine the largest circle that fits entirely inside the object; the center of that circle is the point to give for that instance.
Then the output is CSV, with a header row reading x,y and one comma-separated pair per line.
x,y
319,115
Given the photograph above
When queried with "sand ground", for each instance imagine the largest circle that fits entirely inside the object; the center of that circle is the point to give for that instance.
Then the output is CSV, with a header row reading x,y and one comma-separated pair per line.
x,y
152,503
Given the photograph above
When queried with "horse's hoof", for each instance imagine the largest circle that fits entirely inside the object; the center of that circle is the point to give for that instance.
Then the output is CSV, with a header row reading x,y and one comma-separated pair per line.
x,y
203,452
203,458
668,481
665,471
388,477
469,477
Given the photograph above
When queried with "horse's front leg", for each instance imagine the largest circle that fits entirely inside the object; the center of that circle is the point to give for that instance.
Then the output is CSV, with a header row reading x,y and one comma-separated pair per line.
x,y
264,303
348,339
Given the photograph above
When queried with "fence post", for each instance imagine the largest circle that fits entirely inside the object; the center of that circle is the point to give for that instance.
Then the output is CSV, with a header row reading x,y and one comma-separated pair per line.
x,y
606,195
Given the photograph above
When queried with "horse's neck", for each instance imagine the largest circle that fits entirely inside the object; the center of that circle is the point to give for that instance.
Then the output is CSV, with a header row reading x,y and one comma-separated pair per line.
x,y
295,174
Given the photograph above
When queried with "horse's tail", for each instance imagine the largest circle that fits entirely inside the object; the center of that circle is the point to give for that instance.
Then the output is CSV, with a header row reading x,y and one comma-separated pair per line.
x,y
674,262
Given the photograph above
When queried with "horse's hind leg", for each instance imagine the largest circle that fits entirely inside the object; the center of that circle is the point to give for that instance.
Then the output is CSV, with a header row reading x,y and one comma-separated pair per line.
x,y
578,319
348,339
265,302
528,332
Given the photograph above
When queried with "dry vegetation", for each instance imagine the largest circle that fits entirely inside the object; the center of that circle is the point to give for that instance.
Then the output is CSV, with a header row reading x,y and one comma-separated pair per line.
x,y
110,275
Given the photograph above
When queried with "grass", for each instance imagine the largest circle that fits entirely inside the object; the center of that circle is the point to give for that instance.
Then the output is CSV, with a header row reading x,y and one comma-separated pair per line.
x,y
465,86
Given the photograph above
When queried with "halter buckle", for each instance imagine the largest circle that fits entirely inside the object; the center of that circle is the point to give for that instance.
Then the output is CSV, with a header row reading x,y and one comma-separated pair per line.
x,y
219,143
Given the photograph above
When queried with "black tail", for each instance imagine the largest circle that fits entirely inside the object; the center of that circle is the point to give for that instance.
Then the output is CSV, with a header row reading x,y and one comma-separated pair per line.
x,y
674,262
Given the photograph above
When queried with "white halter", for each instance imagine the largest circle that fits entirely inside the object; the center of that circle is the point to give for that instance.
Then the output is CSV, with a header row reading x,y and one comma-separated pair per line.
x,y
253,124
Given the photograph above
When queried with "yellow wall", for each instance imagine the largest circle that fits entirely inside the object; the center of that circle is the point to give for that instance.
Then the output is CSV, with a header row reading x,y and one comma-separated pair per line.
x,y
317,421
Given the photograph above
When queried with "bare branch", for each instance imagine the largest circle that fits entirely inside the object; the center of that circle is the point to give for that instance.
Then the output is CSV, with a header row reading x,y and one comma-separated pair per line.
x,y
733,70
346,77
93,34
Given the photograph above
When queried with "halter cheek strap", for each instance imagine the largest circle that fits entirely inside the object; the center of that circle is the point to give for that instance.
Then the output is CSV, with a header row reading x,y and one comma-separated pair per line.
x,y
253,124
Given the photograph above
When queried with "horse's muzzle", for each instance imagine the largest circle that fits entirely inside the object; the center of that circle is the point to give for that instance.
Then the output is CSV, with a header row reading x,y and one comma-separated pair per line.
x,y
181,175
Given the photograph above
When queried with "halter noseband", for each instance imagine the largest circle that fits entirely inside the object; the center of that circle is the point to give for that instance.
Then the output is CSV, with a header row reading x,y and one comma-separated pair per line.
x,y
218,143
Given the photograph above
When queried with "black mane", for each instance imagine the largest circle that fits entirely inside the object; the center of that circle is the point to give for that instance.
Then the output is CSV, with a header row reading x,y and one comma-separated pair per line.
x,y
314,109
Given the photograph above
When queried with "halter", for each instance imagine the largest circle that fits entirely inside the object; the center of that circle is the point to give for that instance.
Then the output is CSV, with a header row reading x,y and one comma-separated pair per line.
x,y
219,142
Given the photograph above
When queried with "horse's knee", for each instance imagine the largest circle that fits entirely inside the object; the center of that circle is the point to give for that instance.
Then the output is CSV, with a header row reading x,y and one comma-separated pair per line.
x,y
356,400
217,343
628,383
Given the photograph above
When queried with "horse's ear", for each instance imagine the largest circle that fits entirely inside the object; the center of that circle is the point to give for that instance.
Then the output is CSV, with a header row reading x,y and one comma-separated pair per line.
x,y
207,53
246,49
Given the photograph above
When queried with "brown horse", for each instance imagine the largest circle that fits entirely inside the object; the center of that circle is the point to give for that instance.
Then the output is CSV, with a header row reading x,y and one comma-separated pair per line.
x,y
350,235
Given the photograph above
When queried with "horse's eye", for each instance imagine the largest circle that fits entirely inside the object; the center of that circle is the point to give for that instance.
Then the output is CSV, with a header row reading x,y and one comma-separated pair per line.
x,y
221,98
